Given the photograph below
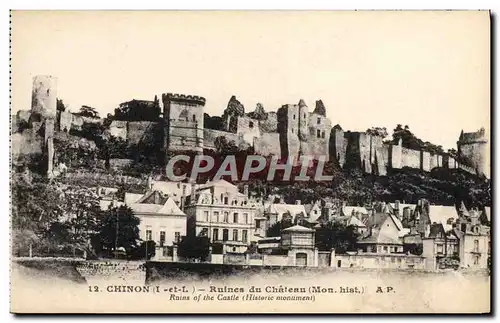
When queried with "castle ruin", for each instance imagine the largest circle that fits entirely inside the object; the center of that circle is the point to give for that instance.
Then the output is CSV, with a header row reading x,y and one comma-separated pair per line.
x,y
291,131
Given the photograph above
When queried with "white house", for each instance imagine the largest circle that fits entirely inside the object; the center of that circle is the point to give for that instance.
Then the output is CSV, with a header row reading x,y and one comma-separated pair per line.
x,y
161,221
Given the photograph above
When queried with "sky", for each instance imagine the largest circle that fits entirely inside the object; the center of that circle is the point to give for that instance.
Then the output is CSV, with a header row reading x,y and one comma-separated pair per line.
x,y
428,70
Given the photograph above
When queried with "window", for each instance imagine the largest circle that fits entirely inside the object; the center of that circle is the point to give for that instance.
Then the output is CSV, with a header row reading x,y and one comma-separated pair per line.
x,y
225,235
235,217
244,236
315,211
292,130
439,248
215,235
318,133
226,200
162,238
149,235
323,134
194,118
205,216
216,216
235,235
245,217
476,245
294,117
319,120
250,124
476,260
385,249
226,217
177,236
304,115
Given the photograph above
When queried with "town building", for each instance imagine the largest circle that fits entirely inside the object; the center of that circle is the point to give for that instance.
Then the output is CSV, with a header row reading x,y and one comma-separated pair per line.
x,y
162,221
382,235
218,210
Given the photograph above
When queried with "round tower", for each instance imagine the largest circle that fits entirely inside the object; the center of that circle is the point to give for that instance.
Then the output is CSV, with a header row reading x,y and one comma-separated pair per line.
x,y
44,96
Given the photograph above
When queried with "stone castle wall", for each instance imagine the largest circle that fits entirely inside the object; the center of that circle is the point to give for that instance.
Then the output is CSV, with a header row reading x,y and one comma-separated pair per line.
x,y
291,131
267,144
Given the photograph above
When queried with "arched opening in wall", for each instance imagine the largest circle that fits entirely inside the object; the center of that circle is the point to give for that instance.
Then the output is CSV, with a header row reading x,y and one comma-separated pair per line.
x,y
301,259
183,115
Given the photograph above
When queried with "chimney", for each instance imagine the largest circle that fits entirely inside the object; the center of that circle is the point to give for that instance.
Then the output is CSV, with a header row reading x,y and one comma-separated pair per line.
x,y
245,190
183,197
297,202
193,192
396,205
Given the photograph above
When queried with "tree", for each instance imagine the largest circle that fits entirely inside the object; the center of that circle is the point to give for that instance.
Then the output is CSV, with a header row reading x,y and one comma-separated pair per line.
x,y
377,131
119,229
336,235
138,110
193,247
86,111
276,229
54,215
146,250
223,146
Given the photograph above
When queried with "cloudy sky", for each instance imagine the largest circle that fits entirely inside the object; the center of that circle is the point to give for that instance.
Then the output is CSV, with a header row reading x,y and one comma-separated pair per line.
x,y
427,70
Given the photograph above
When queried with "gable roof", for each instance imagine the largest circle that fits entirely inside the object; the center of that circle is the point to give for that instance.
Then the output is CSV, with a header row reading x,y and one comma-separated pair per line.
x,y
293,209
378,219
377,237
441,214
132,198
218,183
152,197
171,208
356,222
168,208
348,210
487,211
171,188
436,229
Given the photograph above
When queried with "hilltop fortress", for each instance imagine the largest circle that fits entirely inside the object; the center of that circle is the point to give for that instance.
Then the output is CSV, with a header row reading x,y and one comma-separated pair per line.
x,y
292,130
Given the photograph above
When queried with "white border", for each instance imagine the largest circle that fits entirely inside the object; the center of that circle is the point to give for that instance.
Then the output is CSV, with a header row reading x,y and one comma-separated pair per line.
x,y
493,5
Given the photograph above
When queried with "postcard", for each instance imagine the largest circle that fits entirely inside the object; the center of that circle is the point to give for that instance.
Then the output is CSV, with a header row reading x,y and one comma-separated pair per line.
x,y
250,162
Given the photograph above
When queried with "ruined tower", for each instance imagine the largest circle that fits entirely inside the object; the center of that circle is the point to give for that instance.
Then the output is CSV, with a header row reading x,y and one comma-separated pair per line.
x,y
43,114
183,117
292,128
44,96
474,151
